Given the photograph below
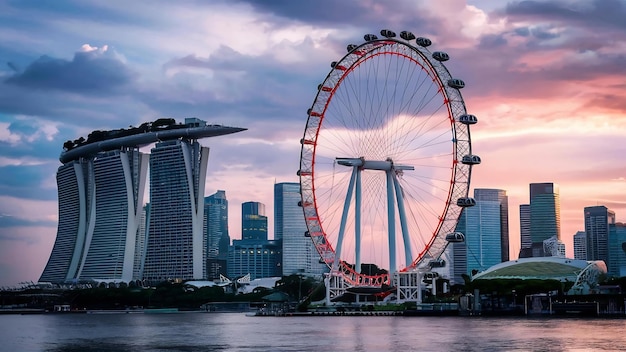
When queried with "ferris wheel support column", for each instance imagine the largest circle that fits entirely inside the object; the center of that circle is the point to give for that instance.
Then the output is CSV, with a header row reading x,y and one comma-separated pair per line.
x,y
408,256
344,216
357,222
391,223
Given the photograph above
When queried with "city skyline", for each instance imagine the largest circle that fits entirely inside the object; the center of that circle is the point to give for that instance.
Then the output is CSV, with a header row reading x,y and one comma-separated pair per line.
x,y
543,78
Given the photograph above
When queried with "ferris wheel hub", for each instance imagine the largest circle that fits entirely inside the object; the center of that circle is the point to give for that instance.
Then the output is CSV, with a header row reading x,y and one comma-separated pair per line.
x,y
363,164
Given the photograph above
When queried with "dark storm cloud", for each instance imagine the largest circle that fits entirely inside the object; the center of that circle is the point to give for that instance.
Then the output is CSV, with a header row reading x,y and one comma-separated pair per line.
x,y
597,13
89,72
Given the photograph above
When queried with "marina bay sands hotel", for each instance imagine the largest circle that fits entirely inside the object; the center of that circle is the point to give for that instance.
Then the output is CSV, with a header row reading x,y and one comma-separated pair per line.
x,y
103,234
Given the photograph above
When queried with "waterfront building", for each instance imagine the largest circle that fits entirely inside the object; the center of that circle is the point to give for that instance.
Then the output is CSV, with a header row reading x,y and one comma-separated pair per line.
x,y
498,195
482,226
597,221
176,243
253,221
259,258
526,242
617,250
101,185
580,245
299,252
545,215
100,206
218,240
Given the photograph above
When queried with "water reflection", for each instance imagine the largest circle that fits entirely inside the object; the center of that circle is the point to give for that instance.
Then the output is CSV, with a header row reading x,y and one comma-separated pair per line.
x,y
236,332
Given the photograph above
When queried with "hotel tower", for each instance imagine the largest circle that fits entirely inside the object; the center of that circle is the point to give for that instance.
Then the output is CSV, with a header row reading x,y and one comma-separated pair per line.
x,y
101,207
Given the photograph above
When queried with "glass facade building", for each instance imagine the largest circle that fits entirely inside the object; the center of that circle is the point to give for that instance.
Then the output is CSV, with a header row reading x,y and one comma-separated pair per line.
x,y
259,258
218,240
498,195
545,215
482,227
580,245
253,221
526,242
299,253
597,221
617,250
176,243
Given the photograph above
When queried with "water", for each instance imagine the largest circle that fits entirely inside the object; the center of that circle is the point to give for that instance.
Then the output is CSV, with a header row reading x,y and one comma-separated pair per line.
x,y
237,332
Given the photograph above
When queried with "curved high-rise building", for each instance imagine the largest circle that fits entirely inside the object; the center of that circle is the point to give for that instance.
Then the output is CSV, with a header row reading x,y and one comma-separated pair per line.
x,y
72,186
101,185
100,203
176,245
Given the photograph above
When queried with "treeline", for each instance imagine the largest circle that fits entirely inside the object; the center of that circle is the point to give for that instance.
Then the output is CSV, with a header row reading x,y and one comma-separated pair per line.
x,y
163,295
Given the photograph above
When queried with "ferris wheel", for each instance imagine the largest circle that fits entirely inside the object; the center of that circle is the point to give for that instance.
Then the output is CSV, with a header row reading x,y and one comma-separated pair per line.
x,y
386,160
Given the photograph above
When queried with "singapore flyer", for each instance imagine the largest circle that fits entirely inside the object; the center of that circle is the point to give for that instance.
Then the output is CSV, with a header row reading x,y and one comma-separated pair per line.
x,y
386,160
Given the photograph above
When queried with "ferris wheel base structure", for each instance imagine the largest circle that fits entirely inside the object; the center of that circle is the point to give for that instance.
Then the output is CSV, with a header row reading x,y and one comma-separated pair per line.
x,y
386,146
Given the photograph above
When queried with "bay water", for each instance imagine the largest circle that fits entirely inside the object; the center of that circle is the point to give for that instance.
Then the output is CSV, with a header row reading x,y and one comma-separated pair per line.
x,y
238,332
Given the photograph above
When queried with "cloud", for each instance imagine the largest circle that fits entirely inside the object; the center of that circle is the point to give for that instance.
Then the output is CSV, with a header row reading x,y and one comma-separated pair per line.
x,y
592,14
92,71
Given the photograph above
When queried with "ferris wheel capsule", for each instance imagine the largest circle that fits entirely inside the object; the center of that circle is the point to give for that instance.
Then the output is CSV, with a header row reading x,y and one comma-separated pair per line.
x,y
370,37
441,56
423,42
407,35
387,33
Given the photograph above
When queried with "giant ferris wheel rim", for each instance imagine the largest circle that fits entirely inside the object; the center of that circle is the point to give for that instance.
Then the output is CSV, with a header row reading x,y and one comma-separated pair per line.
x,y
460,173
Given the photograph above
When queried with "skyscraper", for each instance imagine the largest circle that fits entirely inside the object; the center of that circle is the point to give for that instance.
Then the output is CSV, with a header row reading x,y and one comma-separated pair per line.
x,y
100,206
253,221
101,185
299,252
482,226
526,242
176,243
259,258
545,215
580,245
617,250
498,195
218,240
597,221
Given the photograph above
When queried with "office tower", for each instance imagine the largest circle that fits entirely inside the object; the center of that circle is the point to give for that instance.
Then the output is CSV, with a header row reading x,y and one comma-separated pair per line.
x,y
457,252
545,215
176,242
299,252
482,226
498,195
218,240
580,245
259,258
253,221
526,242
597,221
617,250
99,214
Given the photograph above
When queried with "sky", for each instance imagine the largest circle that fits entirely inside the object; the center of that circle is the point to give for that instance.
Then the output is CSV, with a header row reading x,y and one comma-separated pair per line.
x,y
545,79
